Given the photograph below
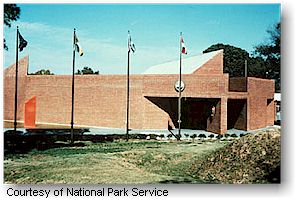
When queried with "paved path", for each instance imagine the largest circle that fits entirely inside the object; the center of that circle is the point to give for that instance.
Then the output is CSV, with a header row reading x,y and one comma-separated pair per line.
x,y
108,131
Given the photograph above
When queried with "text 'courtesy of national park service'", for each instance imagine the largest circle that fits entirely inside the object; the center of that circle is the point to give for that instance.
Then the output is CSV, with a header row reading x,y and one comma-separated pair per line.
x,y
101,192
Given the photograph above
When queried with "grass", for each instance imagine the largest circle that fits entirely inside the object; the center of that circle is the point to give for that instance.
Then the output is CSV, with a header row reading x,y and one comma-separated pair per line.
x,y
109,163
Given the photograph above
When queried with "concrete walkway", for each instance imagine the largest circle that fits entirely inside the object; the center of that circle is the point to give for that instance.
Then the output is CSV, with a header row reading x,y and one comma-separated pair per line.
x,y
109,131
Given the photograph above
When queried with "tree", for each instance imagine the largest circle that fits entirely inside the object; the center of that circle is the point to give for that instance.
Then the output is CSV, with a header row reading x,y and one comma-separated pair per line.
x,y
11,13
258,66
42,72
270,52
86,70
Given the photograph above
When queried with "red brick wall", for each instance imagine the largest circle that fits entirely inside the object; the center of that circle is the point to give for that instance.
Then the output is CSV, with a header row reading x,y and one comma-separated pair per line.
x,y
154,117
259,90
261,87
100,100
213,66
270,112
199,86
195,85
104,98
9,89
22,68
219,122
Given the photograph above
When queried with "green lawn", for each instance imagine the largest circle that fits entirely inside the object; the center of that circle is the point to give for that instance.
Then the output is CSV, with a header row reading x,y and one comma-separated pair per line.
x,y
109,163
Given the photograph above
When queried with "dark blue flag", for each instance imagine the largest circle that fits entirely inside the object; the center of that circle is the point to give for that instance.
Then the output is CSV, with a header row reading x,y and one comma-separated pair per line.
x,y
23,42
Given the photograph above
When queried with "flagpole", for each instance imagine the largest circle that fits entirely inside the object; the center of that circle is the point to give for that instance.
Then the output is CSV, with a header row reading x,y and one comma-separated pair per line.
x,y
128,89
72,97
245,69
16,81
179,92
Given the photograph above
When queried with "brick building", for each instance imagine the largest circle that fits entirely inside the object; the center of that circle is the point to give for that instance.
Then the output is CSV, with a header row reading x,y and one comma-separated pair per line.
x,y
211,100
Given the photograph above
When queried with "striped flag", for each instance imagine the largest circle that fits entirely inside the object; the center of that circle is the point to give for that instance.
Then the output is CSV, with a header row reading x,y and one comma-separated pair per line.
x,y
183,46
131,46
23,42
78,46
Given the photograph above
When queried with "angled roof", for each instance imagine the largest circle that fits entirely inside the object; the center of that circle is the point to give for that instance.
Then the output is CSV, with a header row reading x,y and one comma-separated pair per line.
x,y
22,67
189,65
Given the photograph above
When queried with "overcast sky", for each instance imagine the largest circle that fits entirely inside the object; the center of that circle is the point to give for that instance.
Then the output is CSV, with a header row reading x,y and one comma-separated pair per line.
x,y
102,30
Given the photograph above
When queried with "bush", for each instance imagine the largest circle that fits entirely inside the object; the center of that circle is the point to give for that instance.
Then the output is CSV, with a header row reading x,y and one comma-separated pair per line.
x,y
255,158
202,136
242,134
227,135
219,136
234,135
193,136
153,136
211,136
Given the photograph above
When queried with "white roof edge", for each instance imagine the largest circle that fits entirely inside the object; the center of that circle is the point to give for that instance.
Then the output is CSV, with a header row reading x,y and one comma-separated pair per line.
x,y
189,65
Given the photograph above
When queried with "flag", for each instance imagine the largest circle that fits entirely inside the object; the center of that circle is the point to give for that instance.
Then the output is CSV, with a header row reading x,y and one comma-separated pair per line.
x,y
77,46
131,46
183,46
23,42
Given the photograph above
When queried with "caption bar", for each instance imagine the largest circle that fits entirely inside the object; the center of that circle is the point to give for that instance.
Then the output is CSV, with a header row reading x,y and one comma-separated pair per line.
x,y
82,192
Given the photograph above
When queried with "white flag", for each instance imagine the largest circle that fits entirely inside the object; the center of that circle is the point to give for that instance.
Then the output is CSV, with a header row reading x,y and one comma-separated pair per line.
x,y
131,46
77,46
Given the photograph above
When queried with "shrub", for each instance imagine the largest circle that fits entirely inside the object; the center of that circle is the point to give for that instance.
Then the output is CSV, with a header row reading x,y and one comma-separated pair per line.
x,y
241,135
193,136
219,136
153,136
202,136
234,135
211,136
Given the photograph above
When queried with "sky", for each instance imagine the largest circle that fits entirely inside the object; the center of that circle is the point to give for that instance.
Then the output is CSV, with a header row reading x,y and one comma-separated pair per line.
x,y
155,29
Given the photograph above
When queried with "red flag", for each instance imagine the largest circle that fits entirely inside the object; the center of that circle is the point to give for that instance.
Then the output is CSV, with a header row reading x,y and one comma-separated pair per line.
x,y
183,46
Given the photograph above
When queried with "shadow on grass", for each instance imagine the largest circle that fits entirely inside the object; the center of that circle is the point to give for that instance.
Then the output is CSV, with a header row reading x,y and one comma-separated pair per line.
x,y
75,151
181,180
42,139
274,176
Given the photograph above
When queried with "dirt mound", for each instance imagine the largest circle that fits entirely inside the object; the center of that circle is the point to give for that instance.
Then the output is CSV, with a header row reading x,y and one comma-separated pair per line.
x,y
254,158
